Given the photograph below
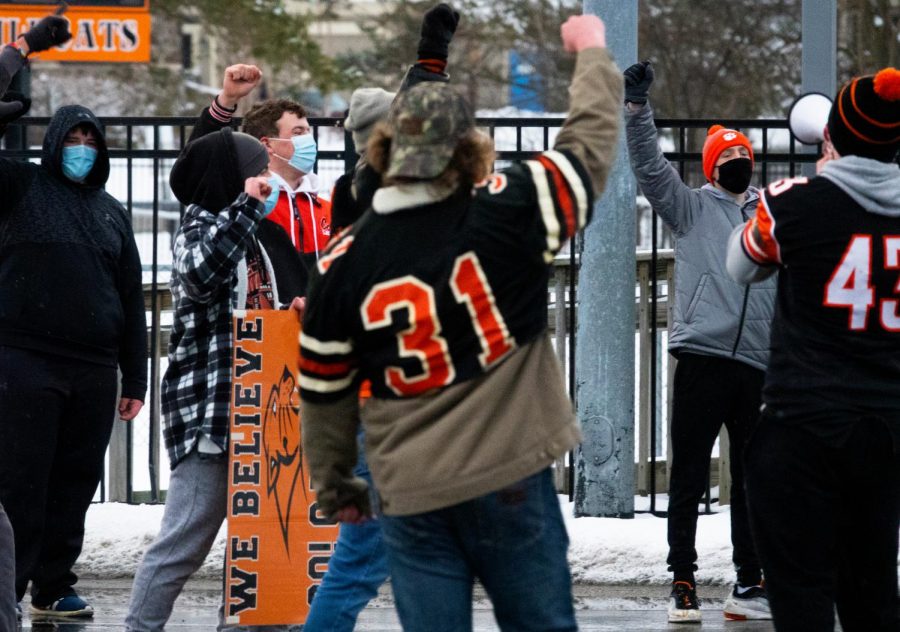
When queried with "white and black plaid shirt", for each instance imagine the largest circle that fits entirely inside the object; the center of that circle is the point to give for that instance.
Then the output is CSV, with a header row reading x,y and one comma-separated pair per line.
x,y
196,388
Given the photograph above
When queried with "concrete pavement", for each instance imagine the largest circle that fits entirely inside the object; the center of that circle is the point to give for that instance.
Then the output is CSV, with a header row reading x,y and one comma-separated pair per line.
x,y
600,608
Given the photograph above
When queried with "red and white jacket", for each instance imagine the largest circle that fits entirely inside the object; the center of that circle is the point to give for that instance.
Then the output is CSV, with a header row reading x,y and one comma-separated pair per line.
x,y
304,216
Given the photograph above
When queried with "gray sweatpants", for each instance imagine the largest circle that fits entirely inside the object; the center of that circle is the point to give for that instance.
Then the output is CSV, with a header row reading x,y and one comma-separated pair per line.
x,y
196,505
7,575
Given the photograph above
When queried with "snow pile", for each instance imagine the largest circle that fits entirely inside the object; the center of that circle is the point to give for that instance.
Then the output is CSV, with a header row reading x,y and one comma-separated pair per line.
x,y
602,550
116,535
614,551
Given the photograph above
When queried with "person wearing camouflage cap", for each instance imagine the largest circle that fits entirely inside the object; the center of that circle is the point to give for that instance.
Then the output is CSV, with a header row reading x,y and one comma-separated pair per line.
x,y
437,296
359,566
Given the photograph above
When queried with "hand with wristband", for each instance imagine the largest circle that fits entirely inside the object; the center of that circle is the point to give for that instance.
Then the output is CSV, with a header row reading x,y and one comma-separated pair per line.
x,y
52,30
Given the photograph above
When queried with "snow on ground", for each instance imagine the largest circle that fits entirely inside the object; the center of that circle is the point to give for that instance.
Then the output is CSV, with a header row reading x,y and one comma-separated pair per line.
x,y
616,551
602,550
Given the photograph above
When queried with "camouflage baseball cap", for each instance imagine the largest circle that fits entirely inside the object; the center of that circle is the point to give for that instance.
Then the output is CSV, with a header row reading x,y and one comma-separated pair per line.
x,y
427,122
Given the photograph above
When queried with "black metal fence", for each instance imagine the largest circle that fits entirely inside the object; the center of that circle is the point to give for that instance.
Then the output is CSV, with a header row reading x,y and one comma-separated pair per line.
x,y
142,151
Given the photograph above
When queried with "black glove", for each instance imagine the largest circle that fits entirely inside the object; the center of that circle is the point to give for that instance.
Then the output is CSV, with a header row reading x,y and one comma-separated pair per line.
x,y
49,32
638,78
13,106
438,27
343,493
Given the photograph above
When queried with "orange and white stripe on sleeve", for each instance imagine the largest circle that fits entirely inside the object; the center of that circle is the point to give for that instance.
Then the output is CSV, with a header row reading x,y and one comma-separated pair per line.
x,y
327,368
563,196
758,238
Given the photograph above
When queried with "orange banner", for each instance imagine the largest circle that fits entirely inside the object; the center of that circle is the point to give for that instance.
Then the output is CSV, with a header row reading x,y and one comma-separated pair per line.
x,y
278,543
118,34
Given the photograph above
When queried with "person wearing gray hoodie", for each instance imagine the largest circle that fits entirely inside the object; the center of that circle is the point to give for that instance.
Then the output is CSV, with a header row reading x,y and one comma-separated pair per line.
x,y
720,337
823,467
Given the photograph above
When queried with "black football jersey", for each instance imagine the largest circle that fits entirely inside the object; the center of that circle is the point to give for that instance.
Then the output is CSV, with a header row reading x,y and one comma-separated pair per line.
x,y
836,331
430,295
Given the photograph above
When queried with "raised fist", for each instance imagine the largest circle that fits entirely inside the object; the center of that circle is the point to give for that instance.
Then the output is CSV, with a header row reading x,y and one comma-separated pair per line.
x,y
51,31
583,31
258,187
638,78
238,82
438,26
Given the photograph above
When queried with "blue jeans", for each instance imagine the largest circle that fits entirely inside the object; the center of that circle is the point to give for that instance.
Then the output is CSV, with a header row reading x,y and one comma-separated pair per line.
x,y
355,571
513,540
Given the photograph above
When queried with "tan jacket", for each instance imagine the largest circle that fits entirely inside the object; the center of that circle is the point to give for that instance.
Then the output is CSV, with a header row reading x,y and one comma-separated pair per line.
x,y
478,436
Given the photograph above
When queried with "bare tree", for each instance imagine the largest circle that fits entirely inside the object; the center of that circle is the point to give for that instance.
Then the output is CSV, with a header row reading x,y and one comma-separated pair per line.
x,y
487,33
868,36
721,59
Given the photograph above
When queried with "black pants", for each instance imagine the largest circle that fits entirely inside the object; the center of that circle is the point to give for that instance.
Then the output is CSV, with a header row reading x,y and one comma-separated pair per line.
x,y
7,576
710,392
825,520
56,415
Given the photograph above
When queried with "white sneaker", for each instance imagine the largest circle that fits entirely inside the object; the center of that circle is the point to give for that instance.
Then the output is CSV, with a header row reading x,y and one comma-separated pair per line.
x,y
684,607
745,603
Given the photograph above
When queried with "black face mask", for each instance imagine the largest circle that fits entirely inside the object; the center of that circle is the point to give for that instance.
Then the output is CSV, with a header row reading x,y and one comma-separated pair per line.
x,y
734,175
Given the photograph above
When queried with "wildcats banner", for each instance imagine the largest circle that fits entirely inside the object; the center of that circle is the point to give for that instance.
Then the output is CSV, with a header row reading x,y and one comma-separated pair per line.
x,y
101,31
278,544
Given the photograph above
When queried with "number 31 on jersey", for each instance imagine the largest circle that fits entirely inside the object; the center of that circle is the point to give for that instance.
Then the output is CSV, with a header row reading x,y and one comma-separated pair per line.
x,y
422,339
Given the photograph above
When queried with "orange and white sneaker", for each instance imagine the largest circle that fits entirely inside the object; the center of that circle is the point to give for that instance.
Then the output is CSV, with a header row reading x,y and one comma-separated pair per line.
x,y
747,603
684,606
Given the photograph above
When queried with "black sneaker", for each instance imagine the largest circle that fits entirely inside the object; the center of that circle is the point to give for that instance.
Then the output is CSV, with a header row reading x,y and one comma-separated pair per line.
x,y
747,602
70,606
684,606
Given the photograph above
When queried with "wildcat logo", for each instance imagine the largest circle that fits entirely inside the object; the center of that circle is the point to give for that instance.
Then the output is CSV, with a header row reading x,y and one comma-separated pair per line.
x,y
281,448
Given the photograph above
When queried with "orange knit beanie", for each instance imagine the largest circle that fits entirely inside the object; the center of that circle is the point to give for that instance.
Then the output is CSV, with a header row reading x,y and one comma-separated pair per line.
x,y
718,139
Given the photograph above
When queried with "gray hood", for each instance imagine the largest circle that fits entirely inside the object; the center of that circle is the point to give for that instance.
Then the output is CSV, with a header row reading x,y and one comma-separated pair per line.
x,y
872,184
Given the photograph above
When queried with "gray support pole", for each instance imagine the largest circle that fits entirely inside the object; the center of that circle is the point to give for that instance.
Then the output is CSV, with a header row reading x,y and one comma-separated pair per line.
x,y
819,56
604,350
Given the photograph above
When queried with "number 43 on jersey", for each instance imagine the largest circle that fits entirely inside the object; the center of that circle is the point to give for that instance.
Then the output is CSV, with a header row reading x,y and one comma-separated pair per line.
x,y
850,284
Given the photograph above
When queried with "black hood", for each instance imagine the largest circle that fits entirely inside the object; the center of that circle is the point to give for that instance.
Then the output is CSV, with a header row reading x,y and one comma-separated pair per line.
x,y
63,121
206,173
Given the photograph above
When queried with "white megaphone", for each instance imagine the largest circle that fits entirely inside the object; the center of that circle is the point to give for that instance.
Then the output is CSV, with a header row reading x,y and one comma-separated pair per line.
x,y
808,118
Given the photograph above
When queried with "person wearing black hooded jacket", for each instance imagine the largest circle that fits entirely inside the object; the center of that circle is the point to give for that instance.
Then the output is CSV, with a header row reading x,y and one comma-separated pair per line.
x,y
220,264
71,312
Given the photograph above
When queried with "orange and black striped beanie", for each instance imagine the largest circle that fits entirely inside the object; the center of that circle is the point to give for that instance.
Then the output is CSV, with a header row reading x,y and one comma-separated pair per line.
x,y
865,117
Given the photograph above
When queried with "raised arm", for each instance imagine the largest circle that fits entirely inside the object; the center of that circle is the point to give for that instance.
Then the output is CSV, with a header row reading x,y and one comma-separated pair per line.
x,y
50,31
591,130
438,26
353,191
238,81
675,202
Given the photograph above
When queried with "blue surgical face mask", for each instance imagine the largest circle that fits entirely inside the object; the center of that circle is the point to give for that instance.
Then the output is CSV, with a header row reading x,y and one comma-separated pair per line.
x,y
304,156
272,200
77,161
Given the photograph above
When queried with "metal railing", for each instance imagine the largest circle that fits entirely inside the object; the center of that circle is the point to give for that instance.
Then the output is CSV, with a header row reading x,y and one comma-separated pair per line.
x,y
142,151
